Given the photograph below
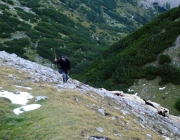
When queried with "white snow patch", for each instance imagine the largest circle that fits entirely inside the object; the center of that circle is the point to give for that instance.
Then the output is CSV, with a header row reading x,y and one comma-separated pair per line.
x,y
130,90
30,107
21,99
162,88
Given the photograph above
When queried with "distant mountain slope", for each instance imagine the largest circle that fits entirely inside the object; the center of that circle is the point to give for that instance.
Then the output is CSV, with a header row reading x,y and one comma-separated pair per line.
x,y
82,29
127,59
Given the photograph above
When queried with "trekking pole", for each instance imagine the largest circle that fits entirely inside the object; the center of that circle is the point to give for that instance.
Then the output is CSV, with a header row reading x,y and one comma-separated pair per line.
x,y
55,57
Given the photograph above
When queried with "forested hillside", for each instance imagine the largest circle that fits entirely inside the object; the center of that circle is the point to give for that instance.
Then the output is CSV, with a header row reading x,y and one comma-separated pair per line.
x,y
130,58
82,29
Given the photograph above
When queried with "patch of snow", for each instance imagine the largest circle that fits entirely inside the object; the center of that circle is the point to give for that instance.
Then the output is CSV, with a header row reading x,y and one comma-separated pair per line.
x,y
130,90
162,88
17,111
20,99
30,107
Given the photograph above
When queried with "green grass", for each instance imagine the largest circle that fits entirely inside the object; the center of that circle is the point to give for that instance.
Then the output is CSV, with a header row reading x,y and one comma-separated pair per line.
x,y
61,117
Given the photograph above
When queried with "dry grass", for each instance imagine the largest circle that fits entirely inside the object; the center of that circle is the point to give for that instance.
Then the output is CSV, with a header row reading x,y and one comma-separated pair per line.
x,y
66,115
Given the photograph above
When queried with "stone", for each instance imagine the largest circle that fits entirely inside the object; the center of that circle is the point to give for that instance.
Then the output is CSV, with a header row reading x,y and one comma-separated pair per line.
x,y
16,92
100,129
101,111
38,98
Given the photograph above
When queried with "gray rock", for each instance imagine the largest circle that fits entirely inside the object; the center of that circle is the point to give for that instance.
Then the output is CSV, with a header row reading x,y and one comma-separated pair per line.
x,y
16,92
11,76
101,111
100,129
118,135
149,136
98,138
38,98
36,80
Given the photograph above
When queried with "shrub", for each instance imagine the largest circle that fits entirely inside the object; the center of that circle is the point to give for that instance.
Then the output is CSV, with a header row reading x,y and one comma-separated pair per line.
x,y
16,46
27,16
164,59
44,48
56,16
177,105
5,35
30,3
10,2
169,73
23,27
3,6
150,72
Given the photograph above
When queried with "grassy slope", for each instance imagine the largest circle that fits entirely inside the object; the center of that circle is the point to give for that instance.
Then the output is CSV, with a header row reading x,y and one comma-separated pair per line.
x,y
62,116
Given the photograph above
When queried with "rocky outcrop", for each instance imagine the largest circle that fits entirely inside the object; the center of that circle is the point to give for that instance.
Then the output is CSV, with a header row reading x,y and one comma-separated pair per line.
x,y
151,114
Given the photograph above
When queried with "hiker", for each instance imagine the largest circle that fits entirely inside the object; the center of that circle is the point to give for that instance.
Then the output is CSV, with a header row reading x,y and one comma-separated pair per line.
x,y
65,67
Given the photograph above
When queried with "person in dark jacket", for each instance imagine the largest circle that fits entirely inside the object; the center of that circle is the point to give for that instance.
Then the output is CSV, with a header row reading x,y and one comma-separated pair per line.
x,y
65,67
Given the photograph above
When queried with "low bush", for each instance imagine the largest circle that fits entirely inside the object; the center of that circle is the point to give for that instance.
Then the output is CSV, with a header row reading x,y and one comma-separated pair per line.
x,y
164,59
177,105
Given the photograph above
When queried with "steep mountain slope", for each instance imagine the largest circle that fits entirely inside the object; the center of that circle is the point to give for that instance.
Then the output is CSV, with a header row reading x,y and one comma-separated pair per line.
x,y
74,110
82,29
130,58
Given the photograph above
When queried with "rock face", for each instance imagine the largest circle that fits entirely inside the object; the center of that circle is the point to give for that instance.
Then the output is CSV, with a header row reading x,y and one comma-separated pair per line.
x,y
151,114
162,3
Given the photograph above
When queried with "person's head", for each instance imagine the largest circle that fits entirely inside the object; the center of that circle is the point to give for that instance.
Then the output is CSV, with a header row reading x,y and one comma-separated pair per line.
x,y
63,57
